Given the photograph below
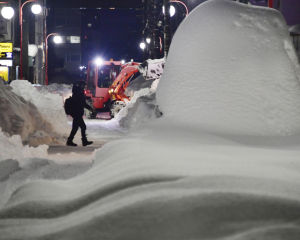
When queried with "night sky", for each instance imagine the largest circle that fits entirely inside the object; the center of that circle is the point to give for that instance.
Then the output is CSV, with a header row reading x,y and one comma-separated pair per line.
x,y
115,33
94,3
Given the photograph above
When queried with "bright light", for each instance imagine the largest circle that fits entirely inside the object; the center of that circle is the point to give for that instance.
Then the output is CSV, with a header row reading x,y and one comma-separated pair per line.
x,y
36,8
57,39
32,50
7,12
99,61
172,10
142,45
148,40
82,67
123,61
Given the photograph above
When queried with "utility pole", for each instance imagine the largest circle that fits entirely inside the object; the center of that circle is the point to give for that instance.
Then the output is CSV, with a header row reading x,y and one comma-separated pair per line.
x,y
145,22
167,29
155,34
270,3
154,47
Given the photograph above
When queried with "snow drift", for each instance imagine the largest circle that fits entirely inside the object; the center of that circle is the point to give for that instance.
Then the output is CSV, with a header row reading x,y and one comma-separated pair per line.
x,y
238,72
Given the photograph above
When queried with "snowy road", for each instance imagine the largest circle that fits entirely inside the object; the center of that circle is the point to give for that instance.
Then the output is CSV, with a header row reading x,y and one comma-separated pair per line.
x,y
101,131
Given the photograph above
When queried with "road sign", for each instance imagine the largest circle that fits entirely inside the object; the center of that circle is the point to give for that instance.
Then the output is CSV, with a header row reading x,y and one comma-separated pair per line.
x,y
6,47
6,55
6,50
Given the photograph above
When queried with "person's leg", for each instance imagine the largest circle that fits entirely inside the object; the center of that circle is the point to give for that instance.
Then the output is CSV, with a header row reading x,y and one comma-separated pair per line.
x,y
75,127
83,134
82,127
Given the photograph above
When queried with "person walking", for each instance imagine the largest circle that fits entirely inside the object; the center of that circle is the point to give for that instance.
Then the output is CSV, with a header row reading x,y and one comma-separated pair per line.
x,y
79,104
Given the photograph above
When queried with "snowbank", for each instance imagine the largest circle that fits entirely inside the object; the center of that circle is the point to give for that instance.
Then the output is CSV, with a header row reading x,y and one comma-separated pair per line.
x,y
49,104
63,90
20,117
141,108
12,148
238,72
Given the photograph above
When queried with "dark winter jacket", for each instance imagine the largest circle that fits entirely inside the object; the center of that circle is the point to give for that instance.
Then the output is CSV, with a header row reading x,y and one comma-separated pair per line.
x,y
79,101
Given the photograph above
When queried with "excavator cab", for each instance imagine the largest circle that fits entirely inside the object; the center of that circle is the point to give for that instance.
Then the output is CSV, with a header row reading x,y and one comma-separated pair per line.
x,y
100,76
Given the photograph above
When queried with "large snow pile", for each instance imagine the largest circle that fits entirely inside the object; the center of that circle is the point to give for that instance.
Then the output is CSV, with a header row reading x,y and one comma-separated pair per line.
x,y
142,106
50,105
63,90
238,72
172,180
21,117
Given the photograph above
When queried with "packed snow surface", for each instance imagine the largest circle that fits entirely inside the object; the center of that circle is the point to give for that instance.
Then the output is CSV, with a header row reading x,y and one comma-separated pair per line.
x,y
232,68
182,176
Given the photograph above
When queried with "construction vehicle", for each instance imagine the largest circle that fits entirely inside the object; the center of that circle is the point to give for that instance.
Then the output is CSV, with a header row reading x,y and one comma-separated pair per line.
x,y
117,90
148,71
107,83
100,76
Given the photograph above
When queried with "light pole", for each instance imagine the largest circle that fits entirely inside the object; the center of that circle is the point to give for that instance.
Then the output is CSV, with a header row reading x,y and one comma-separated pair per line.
x,y
167,28
270,3
36,10
46,57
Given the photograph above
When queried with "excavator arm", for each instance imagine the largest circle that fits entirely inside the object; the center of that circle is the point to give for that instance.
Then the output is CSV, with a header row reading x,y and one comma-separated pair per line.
x,y
118,87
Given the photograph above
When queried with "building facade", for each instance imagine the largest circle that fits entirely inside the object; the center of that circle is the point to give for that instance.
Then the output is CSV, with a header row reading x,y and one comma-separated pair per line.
x,y
26,33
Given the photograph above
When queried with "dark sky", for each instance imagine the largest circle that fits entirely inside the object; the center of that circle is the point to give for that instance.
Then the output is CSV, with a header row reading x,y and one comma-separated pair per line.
x,y
94,3
114,33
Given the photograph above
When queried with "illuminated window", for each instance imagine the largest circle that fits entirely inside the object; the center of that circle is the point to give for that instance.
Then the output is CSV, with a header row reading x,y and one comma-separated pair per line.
x,y
74,39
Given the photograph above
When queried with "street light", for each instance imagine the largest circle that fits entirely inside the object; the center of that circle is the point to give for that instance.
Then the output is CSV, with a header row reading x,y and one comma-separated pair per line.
x,y
57,39
46,57
172,10
36,10
142,45
7,12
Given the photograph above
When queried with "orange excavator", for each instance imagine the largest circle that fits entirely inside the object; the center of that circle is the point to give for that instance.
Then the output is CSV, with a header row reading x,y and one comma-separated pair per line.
x,y
107,83
150,71
119,99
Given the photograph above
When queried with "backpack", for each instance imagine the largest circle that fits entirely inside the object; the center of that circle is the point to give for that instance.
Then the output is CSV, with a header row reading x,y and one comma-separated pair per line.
x,y
69,106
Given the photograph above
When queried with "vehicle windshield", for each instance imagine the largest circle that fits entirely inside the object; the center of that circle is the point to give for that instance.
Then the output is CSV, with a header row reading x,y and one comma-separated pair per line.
x,y
106,75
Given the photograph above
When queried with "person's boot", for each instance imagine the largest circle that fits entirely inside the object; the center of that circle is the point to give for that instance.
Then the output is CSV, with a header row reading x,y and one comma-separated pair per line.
x,y
85,142
70,142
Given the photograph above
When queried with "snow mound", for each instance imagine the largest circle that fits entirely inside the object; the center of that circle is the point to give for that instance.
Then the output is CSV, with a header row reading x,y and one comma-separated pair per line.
x,y
20,117
141,108
12,148
64,90
50,105
161,187
8,167
238,72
